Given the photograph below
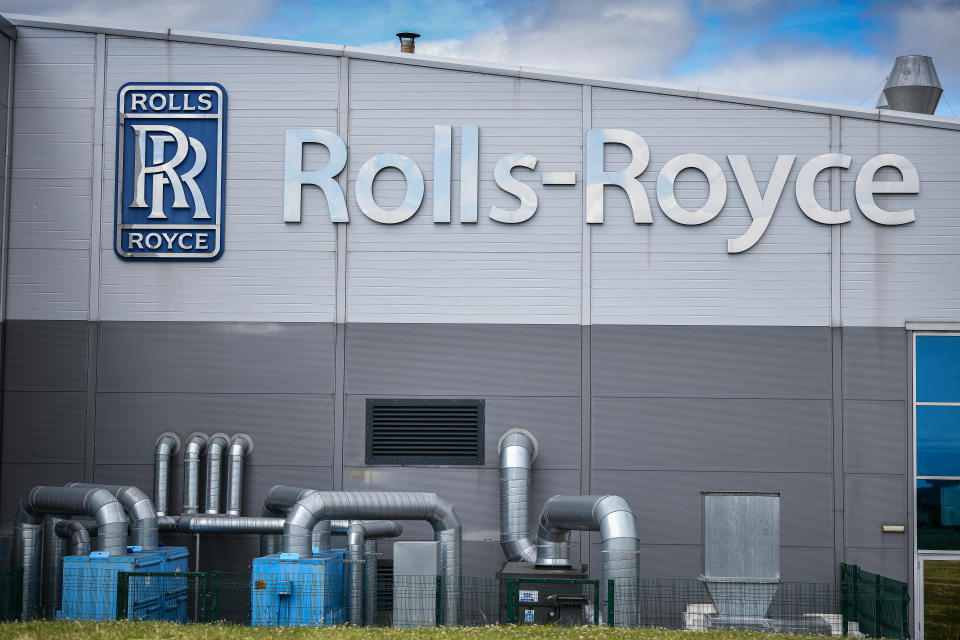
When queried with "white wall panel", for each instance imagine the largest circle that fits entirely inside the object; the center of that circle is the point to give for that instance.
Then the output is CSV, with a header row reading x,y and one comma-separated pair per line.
x,y
270,271
892,274
52,169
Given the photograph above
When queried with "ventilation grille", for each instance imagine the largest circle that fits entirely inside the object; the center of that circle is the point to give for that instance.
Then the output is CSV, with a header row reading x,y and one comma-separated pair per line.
x,y
424,431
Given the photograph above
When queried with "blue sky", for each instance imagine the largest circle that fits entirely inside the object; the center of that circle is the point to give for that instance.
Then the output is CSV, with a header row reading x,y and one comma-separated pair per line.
x,y
831,51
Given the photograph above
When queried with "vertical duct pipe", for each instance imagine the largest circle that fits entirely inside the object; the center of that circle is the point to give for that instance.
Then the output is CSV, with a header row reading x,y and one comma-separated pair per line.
x,y
99,504
358,533
168,445
518,449
241,445
277,503
192,450
144,531
54,548
317,505
214,464
613,518
370,562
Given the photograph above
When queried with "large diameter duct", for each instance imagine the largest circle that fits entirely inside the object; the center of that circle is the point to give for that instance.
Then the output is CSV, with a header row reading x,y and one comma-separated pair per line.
x,y
280,499
613,518
357,534
139,508
317,505
214,464
241,445
78,533
223,523
518,449
54,548
192,450
99,504
168,445
370,562
913,85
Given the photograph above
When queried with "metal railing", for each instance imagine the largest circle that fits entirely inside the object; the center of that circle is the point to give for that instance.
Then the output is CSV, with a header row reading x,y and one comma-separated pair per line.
x,y
880,606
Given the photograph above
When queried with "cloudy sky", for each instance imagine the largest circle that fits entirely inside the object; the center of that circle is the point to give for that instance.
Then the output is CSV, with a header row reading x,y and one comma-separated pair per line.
x,y
831,51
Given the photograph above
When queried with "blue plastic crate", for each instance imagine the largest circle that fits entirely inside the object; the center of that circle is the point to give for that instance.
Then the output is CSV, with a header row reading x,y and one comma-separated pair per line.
x,y
290,592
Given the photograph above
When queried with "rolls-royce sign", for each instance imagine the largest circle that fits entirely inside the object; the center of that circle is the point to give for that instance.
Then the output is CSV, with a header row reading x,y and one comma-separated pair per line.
x,y
170,171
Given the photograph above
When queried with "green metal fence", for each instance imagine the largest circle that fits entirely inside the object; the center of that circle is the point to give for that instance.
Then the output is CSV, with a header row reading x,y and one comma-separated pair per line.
x,y
11,593
880,606
175,596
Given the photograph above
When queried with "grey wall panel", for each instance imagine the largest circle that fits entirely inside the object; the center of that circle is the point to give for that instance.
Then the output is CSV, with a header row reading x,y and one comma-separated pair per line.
x,y
670,502
807,564
19,478
216,357
467,360
474,492
871,502
875,364
714,362
259,479
891,563
555,421
287,428
874,436
711,434
45,356
43,426
139,475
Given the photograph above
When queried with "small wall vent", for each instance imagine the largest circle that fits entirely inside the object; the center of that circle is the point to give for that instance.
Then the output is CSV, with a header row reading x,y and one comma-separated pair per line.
x,y
424,432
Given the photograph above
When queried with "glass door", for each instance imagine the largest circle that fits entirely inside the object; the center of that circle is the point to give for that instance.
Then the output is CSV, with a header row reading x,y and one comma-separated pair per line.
x,y
938,594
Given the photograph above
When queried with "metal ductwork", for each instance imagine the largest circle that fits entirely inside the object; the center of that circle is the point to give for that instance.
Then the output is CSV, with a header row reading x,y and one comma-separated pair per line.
x,y
99,504
370,561
280,499
202,523
168,445
78,533
139,508
913,85
518,449
241,445
358,589
613,518
192,450
54,549
214,463
317,505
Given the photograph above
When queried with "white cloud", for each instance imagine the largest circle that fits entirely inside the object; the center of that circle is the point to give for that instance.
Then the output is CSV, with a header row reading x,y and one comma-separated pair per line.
x,y
201,15
614,38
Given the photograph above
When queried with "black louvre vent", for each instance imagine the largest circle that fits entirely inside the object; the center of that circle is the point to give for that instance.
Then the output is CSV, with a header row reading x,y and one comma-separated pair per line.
x,y
424,431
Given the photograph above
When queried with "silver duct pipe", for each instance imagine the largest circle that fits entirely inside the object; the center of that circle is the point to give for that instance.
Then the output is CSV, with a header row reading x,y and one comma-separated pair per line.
x,y
357,534
613,518
101,505
224,523
316,505
215,447
78,532
282,498
241,445
54,548
370,561
139,508
168,445
194,446
518,449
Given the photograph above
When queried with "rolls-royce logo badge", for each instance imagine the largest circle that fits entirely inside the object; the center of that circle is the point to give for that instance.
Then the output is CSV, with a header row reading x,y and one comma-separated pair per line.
x,y
170,171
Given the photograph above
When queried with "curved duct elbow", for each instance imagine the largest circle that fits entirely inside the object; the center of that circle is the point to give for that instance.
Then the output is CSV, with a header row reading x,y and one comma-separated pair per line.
x,y
241,445
168,445
518,449
144,528
78,533
359,583
613,518
913,85
317,505
214,464
192,450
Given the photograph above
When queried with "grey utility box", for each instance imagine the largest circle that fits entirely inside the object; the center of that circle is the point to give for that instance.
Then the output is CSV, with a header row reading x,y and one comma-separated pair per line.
x,y
547,602
416,566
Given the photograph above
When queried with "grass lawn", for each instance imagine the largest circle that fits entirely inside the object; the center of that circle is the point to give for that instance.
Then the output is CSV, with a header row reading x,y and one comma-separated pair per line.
x,y
168,631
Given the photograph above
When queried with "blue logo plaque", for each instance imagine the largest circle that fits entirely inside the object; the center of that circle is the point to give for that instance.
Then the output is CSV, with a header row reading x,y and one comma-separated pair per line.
x,y
171,139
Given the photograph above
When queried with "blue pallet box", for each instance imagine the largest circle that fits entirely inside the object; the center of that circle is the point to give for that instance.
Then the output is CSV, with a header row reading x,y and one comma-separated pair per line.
x,y
175,590
289,591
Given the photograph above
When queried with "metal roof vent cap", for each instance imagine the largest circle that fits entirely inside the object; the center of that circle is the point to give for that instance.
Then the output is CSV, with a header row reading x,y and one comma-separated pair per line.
x,y
913,85
407,44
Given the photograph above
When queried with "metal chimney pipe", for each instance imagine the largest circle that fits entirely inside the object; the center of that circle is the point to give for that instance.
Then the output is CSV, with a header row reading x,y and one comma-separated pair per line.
x,y
241,445
168,445
192,450
913,85
518,449
407,44
214,462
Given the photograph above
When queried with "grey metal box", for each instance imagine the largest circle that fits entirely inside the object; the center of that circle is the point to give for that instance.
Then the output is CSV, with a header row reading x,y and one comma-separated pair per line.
x,y
416,566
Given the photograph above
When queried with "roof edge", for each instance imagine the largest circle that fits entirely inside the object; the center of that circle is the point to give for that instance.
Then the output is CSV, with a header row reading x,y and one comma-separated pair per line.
x,y
516,71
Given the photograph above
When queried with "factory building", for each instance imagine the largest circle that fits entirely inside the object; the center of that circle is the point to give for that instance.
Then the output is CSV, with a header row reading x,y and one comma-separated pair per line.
x,y
374,264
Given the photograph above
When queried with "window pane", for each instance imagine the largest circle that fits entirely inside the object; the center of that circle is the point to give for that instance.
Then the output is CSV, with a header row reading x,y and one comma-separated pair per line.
x,y
938,514
941,600
938,368
938,441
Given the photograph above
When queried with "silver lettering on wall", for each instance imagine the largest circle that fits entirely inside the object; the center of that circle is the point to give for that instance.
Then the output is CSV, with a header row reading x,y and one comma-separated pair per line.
x,y
760,206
